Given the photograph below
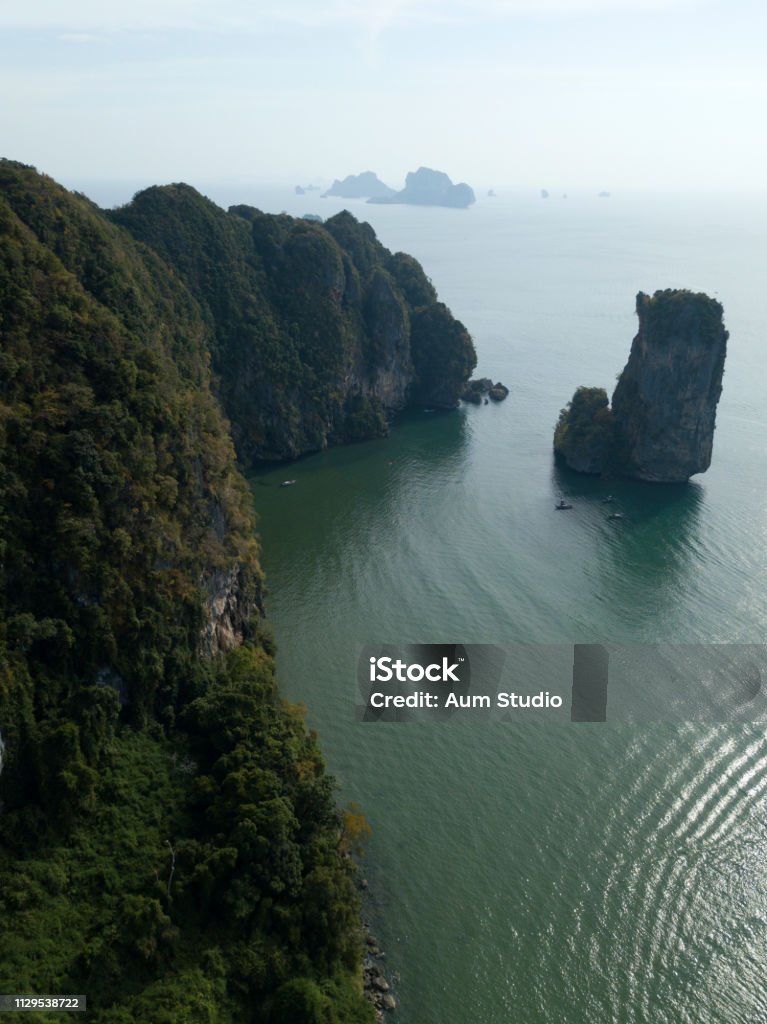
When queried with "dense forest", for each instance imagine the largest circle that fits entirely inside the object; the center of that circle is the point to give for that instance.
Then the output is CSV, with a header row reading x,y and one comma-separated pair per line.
x,y
170,841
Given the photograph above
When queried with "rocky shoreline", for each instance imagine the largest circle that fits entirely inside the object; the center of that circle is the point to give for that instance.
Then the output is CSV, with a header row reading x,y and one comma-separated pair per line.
x,y
376,987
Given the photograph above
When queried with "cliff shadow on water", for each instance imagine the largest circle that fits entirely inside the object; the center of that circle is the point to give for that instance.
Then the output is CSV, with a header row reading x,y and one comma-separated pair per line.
x,y
352,492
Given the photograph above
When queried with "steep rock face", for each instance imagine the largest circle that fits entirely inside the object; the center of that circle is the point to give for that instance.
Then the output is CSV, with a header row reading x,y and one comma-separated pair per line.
x,y
661,424
442,355
232,600
315,326
388,351
665,402
115,459
426,187
150,797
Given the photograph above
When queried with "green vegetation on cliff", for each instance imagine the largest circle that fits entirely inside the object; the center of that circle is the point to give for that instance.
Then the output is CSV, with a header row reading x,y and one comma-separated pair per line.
x,y
319,333
170,842
661,424
584,430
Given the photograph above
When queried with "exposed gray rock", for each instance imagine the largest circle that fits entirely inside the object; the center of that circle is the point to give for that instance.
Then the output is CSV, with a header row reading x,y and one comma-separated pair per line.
x,y
388,328
375,985
665,402
661,424
476,390
230,600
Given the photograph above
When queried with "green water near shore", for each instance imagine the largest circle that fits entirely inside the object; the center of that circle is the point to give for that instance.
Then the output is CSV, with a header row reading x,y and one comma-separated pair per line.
x,y
535,872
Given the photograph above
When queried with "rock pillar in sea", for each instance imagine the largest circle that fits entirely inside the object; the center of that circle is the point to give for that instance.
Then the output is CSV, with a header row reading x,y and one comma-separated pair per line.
x,y
664,405
660,425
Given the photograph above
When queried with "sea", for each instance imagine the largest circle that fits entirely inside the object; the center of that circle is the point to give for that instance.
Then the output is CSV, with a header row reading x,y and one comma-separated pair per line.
x,y
542,871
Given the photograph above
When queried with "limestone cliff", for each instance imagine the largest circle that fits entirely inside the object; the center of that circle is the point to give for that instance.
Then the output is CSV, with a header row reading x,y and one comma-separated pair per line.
x,y
320,334
661,424
666,398
232,602
155,789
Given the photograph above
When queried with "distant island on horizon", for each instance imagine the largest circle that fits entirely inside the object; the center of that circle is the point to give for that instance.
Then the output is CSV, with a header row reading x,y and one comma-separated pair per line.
x,y
359,186
424,187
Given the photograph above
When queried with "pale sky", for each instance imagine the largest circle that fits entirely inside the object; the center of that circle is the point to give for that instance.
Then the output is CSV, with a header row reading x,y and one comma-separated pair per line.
x,y
583,93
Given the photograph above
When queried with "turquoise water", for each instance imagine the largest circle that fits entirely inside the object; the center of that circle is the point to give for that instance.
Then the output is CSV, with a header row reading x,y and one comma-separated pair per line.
x,y
531,872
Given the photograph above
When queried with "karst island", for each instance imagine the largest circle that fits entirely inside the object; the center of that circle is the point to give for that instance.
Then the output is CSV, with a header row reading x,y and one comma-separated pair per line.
x,y
660,426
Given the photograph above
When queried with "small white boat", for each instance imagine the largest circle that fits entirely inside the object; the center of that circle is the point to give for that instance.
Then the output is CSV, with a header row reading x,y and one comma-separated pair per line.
x,y
287,483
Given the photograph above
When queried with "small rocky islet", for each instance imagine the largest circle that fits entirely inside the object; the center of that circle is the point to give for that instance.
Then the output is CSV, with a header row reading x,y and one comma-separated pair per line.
x,y
477,391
